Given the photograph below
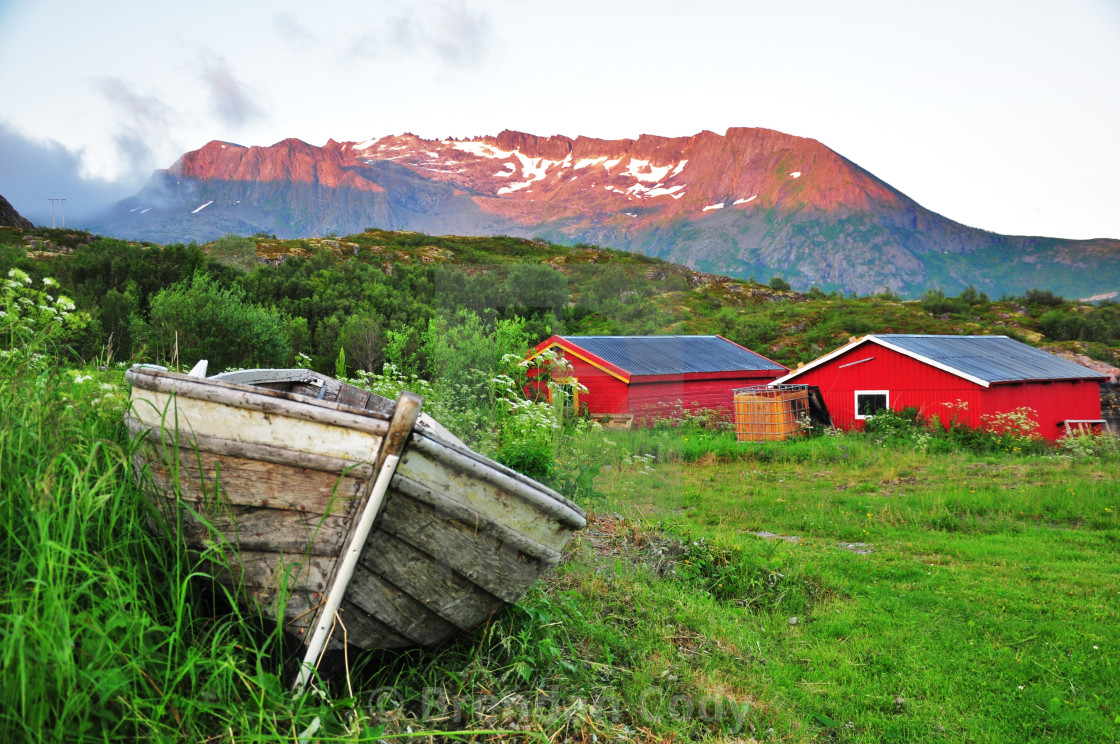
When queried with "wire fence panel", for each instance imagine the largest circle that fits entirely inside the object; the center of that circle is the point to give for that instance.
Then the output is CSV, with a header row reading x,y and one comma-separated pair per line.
x,y
770,414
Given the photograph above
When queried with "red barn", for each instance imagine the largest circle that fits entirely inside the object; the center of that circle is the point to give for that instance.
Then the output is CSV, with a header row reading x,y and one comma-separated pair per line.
x,y
648,376
964,377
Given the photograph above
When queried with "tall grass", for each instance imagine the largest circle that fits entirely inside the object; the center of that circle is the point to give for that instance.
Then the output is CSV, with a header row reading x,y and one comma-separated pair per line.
x,y
108,631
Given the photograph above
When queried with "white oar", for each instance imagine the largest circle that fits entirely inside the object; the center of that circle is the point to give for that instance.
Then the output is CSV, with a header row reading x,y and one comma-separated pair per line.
x,y
404,418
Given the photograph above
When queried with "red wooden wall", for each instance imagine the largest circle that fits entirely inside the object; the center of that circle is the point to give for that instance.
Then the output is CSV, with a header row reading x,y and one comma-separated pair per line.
x,y
605,392
1054,401
935,392
658,397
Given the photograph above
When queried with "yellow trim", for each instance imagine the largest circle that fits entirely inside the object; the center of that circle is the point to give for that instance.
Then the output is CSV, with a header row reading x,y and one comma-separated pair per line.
x,y
566,350
574,382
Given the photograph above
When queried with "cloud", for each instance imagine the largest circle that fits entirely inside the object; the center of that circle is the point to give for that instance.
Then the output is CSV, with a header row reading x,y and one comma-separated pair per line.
x,y
448,30
35,171
230,98
460,36
295,34
142,119
143,111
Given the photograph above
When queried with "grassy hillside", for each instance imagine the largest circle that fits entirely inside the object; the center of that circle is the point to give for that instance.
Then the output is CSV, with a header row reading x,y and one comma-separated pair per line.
x,y
402,280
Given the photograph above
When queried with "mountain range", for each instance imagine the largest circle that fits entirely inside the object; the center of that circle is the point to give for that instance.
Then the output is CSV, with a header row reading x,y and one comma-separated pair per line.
x,y
748,203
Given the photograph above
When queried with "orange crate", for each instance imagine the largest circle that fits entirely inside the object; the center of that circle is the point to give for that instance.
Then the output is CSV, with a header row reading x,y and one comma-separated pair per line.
x,y
770,414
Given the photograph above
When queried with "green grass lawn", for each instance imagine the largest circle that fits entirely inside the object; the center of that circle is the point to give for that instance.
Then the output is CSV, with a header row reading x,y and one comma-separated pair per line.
x,y
936,597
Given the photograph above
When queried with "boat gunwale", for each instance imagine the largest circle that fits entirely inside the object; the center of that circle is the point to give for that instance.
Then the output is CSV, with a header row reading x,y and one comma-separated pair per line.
x,y
551,503
265,400
166,437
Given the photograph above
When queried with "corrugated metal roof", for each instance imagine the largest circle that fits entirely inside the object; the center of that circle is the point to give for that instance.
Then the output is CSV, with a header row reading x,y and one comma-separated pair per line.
x,y
988,358
673,355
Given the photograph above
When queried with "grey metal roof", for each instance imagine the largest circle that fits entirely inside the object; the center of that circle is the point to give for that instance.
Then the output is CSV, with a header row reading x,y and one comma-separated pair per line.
x,y
989,358
673,355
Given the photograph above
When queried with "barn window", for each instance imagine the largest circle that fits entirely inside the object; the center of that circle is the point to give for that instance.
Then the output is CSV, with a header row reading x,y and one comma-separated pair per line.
x,y
870,402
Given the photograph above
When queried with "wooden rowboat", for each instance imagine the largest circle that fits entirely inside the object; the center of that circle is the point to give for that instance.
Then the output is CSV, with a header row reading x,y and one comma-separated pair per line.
x,y
273,471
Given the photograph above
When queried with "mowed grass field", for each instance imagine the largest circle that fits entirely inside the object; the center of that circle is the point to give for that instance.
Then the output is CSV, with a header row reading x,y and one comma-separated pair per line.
x,y
848,591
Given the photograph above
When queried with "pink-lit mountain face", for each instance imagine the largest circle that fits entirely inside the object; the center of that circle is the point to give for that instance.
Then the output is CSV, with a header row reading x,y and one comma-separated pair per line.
x,y
752,202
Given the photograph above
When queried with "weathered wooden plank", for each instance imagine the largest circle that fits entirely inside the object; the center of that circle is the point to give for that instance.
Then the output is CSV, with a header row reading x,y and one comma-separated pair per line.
x,y
430,582
163,384
451,507
349,395
242,482
395,608
382,405
496,566
508,498
191,417
262,529
298,606
267,570
249,450
165,439
366,631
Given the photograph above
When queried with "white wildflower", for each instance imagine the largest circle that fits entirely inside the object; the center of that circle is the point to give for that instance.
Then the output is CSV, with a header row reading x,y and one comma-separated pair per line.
x,y
48,282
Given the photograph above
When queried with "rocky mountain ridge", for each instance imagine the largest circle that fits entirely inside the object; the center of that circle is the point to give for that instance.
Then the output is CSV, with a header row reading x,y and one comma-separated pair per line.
x,y
751,202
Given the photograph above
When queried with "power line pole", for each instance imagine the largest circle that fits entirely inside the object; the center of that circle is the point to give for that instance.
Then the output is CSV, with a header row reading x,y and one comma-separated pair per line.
x,y
52,200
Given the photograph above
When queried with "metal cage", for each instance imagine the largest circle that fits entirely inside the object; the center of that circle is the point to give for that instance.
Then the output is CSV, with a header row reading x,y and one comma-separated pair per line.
x,y
771,413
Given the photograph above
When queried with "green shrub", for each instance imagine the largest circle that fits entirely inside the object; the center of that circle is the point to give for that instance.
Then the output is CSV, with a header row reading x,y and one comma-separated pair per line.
x,y
234,251
1042,297
200,320
935,302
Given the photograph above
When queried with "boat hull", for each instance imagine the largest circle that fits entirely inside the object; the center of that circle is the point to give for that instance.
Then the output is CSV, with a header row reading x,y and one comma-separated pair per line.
x,y
267,485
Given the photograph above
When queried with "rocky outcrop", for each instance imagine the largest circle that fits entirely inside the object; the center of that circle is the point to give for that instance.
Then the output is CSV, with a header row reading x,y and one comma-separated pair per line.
x,y
9,217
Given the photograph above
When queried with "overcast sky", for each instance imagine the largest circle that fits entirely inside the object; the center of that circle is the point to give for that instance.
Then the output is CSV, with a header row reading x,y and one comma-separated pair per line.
x,y
999,114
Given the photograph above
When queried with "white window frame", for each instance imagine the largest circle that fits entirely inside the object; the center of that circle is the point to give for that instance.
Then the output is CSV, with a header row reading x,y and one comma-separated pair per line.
x,y
858,393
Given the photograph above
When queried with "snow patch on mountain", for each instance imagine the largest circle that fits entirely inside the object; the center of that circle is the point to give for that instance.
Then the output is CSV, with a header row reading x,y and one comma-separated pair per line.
x,y
534,168
584,162
653,174
515,187
202,207
745,201
665,192
482,150
713,206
